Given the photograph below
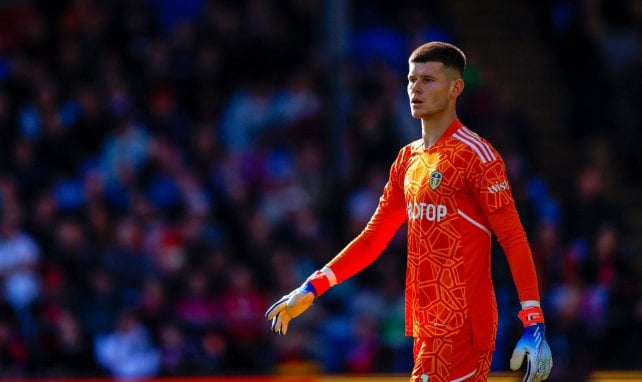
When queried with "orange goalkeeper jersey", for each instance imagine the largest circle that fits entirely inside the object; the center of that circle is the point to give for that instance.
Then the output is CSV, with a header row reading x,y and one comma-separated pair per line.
x,y
453,195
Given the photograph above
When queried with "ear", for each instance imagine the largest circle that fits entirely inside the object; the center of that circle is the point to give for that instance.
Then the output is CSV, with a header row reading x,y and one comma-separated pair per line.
x,y
456,87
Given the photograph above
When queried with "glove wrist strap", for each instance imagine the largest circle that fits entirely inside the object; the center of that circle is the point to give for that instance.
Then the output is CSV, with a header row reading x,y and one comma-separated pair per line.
x,y
322,280
531,316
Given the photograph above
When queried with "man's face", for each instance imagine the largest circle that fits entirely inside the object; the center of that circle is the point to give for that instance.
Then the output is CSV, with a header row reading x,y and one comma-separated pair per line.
x,y
430,88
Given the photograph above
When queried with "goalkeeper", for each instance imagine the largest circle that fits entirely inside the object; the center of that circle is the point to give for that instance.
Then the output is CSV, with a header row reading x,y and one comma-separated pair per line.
x,y
450,187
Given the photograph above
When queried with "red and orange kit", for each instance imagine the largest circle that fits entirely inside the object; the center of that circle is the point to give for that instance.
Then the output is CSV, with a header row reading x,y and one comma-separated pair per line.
x,y
453,196
451,189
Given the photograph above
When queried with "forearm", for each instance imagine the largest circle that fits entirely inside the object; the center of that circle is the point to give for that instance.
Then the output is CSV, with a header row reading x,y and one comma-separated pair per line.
x,y
512,238
361,251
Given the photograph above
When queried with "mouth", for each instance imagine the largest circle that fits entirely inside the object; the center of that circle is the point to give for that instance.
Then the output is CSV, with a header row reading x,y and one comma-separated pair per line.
x,y
415,102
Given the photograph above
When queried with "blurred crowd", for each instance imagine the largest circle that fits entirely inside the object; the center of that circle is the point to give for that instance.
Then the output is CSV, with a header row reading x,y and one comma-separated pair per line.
x,y
166,172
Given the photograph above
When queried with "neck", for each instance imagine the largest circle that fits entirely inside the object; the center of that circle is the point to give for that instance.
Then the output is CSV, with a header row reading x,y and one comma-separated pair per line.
x,y
433,127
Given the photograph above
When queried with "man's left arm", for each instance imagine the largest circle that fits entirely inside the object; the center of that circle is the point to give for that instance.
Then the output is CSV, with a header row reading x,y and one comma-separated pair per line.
x,y
512,237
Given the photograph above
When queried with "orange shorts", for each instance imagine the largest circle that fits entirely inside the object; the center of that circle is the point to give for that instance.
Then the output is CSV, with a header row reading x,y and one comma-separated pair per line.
x,y
450,359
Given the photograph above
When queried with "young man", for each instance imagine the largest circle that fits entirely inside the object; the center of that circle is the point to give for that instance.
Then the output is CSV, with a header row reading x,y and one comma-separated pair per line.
x,y
451,188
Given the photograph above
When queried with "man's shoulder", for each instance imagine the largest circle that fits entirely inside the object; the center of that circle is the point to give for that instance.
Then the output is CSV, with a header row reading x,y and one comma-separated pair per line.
x,y
477,146
405,154
415,146
410,148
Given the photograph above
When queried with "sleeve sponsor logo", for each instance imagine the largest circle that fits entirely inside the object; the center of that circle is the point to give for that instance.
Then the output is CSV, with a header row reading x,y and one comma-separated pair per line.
x,y
498,187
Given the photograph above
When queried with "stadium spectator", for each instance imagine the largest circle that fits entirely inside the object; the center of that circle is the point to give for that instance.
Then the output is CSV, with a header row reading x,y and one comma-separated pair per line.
x,y
127,351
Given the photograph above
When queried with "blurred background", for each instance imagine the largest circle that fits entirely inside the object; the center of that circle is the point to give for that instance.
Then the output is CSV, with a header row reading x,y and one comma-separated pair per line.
x,y
170,168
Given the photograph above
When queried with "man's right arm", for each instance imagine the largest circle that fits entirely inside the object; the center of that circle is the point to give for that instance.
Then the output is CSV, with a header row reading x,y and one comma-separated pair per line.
x,y
372,240
356,256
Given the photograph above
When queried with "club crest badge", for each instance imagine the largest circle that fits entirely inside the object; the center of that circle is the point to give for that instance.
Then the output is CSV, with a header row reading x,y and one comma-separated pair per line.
x,y
435,179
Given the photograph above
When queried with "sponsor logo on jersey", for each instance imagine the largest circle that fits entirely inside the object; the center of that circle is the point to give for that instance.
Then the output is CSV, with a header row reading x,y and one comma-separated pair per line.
x,y
499,186
426,211
435,179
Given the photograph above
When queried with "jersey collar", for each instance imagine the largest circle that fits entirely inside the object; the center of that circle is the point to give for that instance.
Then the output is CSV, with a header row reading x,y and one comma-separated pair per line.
x,y
450,130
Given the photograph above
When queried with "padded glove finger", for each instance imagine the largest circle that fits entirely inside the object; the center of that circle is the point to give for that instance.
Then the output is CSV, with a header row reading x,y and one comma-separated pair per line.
x,y
289,307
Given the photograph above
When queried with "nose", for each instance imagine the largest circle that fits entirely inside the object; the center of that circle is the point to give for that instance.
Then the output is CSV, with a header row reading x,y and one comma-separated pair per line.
x,y
413,87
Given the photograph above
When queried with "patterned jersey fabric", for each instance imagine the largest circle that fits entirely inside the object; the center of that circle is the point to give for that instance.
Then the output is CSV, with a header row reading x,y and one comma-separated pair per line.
x,y
452,195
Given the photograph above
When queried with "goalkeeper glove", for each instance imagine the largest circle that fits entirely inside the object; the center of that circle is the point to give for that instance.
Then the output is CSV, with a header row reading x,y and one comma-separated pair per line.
x,y
533,345
299,300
